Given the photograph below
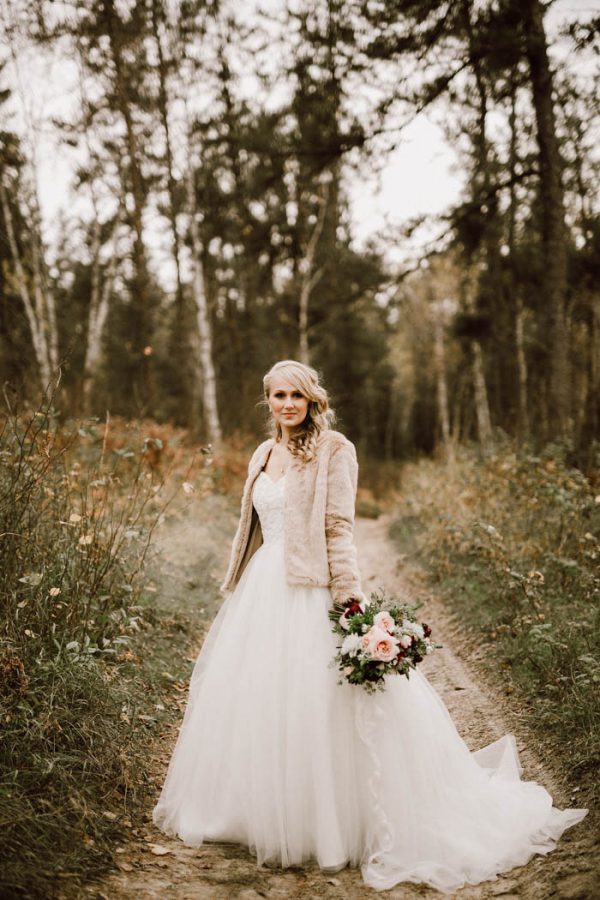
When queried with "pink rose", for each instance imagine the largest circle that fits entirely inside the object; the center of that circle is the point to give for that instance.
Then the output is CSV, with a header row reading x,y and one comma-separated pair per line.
x,y
386,649
365,641
370,638
384,620
379,644
405,641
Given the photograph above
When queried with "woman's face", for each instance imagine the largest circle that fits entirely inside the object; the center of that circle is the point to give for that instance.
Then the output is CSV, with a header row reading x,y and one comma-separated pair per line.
x,y
288,405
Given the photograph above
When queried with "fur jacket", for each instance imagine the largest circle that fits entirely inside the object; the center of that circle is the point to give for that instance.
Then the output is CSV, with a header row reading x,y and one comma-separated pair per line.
x,y
319,503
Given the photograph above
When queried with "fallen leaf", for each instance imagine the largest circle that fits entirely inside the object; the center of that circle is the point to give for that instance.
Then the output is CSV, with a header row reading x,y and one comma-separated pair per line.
x,y
159,850
33,578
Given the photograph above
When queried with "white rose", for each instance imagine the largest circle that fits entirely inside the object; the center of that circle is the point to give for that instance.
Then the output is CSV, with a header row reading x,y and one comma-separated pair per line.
x,y
413,628
344,622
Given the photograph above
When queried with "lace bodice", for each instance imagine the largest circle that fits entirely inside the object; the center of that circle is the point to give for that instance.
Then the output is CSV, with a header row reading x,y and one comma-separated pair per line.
x,y
267,498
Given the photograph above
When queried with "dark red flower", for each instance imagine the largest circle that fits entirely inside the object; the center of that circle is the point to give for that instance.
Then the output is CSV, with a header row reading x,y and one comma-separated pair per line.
x,y
352,608
427,630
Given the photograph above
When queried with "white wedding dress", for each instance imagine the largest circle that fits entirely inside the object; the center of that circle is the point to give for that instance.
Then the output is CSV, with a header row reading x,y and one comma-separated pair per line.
x,y
273,753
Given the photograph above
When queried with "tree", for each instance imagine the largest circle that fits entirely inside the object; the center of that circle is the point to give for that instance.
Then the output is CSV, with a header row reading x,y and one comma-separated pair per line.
x,y
554,233
18,179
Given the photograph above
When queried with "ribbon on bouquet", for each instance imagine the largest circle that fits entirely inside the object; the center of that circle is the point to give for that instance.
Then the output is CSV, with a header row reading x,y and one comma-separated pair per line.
x,y
368,715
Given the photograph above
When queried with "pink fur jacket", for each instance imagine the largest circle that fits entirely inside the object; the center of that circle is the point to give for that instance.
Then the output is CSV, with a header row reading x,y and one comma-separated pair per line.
x,y
319,547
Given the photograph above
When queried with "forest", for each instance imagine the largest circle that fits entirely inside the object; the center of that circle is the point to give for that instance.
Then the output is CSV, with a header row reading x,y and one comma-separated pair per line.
x,y
190,191
208,231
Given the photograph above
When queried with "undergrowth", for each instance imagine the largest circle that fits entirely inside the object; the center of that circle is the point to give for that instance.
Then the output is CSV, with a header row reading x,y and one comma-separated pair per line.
x,y
514,544
75,522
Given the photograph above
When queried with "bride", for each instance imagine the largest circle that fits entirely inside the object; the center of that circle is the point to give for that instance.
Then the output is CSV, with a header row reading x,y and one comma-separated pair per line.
x,y
273,753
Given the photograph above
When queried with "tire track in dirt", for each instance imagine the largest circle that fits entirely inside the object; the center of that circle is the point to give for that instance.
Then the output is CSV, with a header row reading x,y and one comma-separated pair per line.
x,y
155,866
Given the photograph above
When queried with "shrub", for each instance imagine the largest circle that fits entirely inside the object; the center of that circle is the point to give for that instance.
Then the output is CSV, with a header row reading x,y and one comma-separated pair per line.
x,y
75,522
513,542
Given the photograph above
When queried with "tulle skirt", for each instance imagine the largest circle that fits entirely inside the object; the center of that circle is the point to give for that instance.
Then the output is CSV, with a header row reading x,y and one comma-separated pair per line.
x,y
273,753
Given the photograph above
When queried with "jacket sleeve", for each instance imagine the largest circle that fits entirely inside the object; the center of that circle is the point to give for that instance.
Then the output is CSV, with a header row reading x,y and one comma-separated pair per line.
x,y
342,479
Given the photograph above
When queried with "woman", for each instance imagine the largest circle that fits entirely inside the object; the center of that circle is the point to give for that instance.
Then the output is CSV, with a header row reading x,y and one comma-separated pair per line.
x,y
275,754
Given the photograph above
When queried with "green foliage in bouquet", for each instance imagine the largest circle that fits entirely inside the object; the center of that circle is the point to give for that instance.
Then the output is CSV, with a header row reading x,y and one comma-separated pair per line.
x,y
378,636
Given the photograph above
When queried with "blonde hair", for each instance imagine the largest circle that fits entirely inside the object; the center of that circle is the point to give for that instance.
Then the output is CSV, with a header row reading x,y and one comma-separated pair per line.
x,y
319,415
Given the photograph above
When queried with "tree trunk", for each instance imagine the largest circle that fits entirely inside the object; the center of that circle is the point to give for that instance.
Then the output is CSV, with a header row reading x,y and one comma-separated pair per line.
x,y
489,253
590,428
181,342
519,310
37,295
523,424
134,186
482,410
442,388
99,308
310,276
42,324
554,269
209,384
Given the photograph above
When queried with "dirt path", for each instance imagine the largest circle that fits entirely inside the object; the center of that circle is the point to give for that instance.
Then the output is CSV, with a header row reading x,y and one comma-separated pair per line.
x,y
154,866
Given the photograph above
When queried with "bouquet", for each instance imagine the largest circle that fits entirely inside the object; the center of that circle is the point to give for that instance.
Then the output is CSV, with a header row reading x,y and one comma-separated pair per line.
x,y
378,636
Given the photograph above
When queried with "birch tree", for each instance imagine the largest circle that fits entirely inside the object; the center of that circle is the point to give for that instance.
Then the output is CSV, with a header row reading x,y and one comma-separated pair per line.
x,y
193,161
19,201
102,284
34,291
310,273
209,383
184,342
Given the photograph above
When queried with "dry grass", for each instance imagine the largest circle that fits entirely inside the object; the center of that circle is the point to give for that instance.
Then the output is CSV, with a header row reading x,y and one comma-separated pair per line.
x,y
514,544
76,516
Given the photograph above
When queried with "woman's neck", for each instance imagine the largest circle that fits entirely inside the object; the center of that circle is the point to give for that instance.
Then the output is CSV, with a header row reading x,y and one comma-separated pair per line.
x,y
285,435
